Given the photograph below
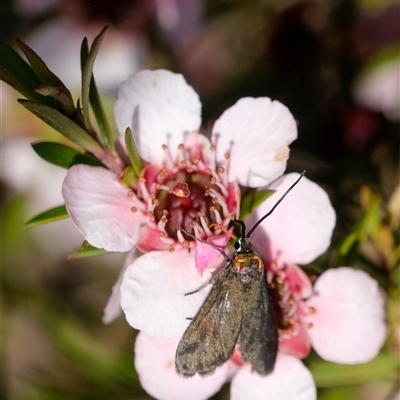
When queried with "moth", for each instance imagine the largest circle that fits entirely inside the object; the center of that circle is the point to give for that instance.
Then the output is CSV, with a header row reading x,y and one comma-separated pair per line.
x,y
237,311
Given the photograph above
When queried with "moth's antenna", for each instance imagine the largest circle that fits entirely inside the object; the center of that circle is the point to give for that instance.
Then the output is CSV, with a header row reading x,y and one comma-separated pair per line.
x,y
276,205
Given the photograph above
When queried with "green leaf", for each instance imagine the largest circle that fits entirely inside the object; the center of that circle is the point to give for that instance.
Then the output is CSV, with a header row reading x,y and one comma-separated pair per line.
x,y
87,250
16,72
252,199
39,66
97,106
54,214
87,71
63,156
133,153
60,94
62,124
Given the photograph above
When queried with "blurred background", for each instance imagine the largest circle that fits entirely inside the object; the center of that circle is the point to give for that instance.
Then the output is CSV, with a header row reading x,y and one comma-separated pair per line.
x,y
333,63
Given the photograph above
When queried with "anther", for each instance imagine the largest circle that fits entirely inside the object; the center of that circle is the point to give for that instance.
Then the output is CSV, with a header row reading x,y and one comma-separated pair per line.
x,y
156,202
215,200
208,171
142,180
165,211
183,163
163,234
227,156
164,147
195,160
134,209
181,146
212,148
130,193
150,214
311,310
186,244
201,214
309,325
221,170
171,249
213,181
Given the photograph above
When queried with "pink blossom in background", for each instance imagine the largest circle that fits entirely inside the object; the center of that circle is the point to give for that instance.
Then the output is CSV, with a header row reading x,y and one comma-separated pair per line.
x,y
341,316
187,182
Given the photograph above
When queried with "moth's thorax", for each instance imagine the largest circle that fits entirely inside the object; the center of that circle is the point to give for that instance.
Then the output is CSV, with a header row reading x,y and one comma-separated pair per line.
x,y
248,265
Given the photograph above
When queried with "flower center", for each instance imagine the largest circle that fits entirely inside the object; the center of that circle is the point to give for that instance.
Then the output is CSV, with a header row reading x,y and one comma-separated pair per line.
x,y
183,199
185,194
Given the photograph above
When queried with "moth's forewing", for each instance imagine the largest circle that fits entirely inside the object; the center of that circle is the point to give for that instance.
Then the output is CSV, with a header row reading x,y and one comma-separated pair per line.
x,y
258,338
210,339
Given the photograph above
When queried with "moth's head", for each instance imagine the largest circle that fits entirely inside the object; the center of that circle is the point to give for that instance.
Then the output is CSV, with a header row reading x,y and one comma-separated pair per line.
x,y
242,245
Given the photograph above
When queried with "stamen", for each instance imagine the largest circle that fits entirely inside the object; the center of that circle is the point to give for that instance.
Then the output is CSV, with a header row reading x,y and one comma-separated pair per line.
x,y
180,237
134,209
218,217
150,214
171,249
213,148
143,188
311,310
227,156
309,325
221,170
163,234
186,244
205,226
220,200
130,193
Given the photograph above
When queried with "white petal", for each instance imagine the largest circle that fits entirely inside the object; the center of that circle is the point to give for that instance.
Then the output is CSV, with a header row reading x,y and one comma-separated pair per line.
x,y
290,380
155,365
100,208
256,133
153,293
113,308
161,108
349,321
300,228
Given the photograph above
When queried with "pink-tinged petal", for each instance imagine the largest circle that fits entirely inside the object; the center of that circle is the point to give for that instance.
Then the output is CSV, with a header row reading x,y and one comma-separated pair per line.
x,y
113,308
297,344
155,365
300,228
100,208
349,318
256,133
153,293
206,256
290,380
149,240
161,108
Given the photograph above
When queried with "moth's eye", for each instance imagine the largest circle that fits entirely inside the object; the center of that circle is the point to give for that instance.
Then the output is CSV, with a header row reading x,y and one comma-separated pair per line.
x,y
237,246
